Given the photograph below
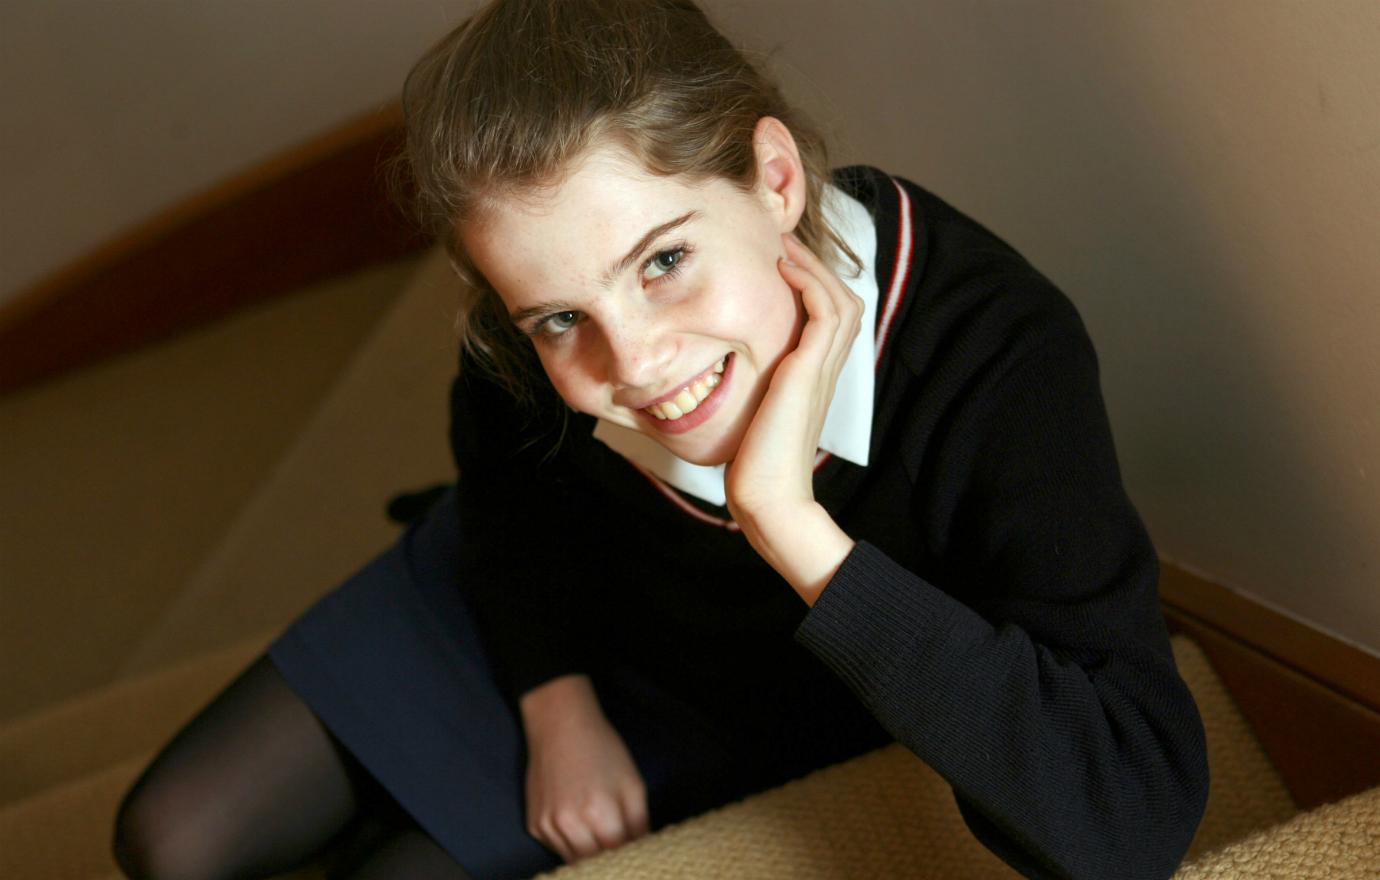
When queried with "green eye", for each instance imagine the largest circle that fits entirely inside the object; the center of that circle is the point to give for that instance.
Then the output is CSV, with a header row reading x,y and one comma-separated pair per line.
x,y
664,263
559,322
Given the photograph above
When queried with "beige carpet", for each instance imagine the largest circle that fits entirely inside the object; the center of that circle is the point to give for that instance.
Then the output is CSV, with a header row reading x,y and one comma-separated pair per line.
x,y
1339,841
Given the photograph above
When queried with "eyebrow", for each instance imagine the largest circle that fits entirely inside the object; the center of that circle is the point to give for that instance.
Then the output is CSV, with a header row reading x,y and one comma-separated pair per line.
x,y
606,280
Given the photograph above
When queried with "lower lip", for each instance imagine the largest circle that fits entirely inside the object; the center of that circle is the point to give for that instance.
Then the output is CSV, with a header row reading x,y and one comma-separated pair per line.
x,y
700,414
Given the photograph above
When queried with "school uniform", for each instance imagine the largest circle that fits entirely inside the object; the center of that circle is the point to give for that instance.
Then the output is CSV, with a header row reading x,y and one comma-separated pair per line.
x,y
998,616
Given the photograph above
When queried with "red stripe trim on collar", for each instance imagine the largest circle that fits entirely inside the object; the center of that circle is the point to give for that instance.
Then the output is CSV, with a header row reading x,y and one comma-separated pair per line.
x,y
899,275
680,502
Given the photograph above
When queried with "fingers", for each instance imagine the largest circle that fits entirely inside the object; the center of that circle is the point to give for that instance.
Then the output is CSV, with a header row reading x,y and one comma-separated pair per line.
x,y
567,834
604,825
798,254
600,824
569,839
824,296
578,835
834,313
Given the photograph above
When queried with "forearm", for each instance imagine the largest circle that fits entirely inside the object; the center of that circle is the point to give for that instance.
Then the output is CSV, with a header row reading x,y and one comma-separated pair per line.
x,y
1052,761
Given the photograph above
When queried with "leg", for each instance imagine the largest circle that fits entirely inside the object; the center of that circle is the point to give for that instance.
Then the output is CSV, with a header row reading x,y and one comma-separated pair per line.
x,y
391,665
253,786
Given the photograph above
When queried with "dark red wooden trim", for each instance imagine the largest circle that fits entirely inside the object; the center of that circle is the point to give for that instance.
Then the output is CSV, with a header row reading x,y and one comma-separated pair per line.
x,y
1341,666
314,212
1308,695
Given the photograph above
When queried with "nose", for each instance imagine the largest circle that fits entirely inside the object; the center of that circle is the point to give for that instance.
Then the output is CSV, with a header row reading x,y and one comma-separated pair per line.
x,y
638,354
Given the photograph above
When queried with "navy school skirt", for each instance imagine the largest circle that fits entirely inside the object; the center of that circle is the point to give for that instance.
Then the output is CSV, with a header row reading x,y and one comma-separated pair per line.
x,y
392,665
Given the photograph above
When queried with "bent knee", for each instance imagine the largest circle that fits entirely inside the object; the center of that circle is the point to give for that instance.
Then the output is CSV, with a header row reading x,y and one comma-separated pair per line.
x,y
153,840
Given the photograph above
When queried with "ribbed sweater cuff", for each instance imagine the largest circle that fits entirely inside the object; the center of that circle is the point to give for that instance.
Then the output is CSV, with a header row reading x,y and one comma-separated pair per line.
x,y
868,618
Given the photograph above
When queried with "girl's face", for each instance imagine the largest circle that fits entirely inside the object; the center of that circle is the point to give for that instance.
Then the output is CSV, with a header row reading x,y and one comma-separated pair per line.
x,y
654,303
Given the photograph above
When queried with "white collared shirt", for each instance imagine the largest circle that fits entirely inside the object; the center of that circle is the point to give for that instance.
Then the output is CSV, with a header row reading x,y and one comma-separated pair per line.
x,y
847,427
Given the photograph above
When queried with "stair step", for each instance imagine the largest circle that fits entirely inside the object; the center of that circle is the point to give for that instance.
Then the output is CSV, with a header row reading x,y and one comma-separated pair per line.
x,y
91,732
318,516
64,832
100,537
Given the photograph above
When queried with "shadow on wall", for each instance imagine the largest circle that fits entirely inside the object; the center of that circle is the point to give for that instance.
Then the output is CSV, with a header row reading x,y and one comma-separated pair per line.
x,y
1201,180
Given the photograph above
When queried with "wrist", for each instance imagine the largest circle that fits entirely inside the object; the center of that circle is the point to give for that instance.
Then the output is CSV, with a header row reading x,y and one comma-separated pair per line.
x,y
549,707
801,542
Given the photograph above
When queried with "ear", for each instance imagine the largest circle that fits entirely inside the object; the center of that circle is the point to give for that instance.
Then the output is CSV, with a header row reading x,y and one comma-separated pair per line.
x,y
780,176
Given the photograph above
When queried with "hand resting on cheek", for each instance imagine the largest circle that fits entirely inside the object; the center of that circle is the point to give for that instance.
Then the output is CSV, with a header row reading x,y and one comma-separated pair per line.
x,y
769,483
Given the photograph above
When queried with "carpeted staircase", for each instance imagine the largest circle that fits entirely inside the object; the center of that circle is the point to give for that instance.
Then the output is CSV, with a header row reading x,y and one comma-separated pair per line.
x,y
315,513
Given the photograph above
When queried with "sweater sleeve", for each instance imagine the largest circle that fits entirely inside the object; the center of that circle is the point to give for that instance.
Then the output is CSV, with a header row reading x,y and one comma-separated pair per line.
x,y
516,548
1032,668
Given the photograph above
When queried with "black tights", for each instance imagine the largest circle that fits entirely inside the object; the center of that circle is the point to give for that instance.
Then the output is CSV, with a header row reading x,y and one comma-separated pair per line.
x,y
255,786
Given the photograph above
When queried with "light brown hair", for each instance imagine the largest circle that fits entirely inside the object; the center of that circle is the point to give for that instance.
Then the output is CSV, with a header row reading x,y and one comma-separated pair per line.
x,y
508,100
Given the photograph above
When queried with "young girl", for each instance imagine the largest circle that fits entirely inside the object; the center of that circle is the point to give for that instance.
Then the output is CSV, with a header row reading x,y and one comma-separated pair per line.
x,y
759,470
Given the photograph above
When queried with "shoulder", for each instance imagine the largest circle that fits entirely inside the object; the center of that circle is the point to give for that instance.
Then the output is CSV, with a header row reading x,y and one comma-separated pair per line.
x,y
977,300
961,297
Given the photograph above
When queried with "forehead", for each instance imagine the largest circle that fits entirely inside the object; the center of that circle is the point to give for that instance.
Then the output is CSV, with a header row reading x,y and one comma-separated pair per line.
x,y
573,229
602,171
601,186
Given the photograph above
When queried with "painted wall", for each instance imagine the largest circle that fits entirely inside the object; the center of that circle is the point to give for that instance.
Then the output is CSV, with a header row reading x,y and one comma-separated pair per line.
x,y
114,109
1203,179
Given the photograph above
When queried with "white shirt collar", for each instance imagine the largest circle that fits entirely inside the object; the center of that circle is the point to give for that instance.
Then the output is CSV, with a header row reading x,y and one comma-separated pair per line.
x,y
847,427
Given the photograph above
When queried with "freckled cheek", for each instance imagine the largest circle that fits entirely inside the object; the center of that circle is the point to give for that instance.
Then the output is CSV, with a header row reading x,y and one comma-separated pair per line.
x,y
766,312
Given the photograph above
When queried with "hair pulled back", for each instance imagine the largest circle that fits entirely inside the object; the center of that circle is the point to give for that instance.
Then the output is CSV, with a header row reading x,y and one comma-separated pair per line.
x,y
506,103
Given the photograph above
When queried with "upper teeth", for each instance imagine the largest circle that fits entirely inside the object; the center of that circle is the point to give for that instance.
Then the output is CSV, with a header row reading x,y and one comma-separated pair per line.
x,y
690,396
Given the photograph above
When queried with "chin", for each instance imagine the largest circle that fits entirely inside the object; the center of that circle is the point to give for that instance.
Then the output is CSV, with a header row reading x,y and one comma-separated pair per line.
x,y
711,455
707,460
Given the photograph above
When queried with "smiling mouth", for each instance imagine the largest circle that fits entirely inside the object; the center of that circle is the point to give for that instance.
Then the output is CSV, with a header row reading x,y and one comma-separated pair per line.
x,y
688,399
